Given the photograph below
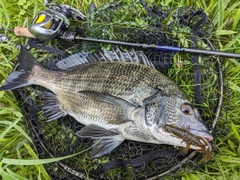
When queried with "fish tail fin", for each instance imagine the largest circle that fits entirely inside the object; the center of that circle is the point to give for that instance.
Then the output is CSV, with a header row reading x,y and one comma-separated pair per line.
x,y
20,78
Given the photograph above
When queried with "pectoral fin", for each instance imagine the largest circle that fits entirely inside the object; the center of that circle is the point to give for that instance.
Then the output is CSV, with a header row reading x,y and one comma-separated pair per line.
x,y
109,140
107,98
119,108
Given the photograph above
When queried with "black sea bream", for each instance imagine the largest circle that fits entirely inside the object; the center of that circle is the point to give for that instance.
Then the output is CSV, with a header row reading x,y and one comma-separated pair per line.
x,y
116,95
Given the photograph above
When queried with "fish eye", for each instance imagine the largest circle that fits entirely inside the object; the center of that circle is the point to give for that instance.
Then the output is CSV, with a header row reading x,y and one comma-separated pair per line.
x,y
187,109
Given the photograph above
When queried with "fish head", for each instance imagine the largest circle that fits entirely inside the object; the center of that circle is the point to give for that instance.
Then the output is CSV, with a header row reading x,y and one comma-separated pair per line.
x,y
188,117
179,113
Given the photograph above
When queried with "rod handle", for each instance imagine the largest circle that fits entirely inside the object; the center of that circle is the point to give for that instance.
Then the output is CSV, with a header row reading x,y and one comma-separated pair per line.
x,y
23,31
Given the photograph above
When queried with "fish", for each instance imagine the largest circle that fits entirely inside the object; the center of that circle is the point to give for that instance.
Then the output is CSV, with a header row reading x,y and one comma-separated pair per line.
x,y
117,95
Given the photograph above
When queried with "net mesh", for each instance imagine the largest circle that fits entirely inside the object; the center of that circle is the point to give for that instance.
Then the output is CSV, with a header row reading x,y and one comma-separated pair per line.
x,y
199,76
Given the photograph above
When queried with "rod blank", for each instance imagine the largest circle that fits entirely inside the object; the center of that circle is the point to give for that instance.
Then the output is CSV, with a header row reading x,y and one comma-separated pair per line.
x,y
165,48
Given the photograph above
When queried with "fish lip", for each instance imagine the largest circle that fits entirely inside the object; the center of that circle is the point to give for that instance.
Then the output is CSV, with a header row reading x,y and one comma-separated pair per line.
x,y
205,134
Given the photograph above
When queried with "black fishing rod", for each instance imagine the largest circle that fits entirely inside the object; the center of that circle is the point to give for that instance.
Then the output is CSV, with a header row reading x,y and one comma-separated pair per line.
x,y
54,22
164,48
70,36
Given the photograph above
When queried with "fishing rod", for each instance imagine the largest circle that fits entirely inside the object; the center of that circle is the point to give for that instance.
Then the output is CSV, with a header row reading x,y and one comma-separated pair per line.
x,y
53,22
164,48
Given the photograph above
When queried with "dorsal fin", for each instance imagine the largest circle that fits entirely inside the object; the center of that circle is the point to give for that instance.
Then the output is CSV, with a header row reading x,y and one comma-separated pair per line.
x,y
104,56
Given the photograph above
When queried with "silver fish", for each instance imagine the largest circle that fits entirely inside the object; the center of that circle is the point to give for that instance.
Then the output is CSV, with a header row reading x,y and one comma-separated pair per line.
x,y
116,95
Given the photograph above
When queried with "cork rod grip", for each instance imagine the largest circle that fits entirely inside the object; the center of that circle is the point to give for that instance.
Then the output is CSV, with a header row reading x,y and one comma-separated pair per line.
x,y
20,31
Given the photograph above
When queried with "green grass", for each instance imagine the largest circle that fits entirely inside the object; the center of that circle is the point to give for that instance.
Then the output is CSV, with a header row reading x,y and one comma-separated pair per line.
x,y
15,143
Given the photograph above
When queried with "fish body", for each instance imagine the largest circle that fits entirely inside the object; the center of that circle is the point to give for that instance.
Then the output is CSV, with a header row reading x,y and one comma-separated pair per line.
x,y
116,95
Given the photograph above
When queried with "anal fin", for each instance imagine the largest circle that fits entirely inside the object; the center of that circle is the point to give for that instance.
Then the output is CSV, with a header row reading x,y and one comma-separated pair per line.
x,y
51,108
109,139
106,145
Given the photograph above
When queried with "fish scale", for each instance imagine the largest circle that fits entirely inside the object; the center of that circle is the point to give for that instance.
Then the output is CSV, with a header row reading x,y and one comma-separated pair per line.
x,y
116,79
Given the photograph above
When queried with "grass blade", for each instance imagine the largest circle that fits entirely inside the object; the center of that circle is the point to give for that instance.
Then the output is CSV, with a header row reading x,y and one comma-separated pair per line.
x,y
225,32
8,128
236,19
235,131
220,13
5,175
17,128
40,161
40,168
17,176
5,13
233,86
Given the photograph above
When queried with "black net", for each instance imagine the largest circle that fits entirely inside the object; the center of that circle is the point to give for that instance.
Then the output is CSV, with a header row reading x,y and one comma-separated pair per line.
x,y
201,77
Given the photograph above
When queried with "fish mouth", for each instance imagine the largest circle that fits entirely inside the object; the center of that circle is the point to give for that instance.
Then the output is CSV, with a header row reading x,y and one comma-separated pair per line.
x,y
204,134
193,137
182,132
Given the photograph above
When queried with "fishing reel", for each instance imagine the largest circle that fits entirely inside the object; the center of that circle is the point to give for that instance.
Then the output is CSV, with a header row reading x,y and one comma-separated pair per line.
x,y
54,21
